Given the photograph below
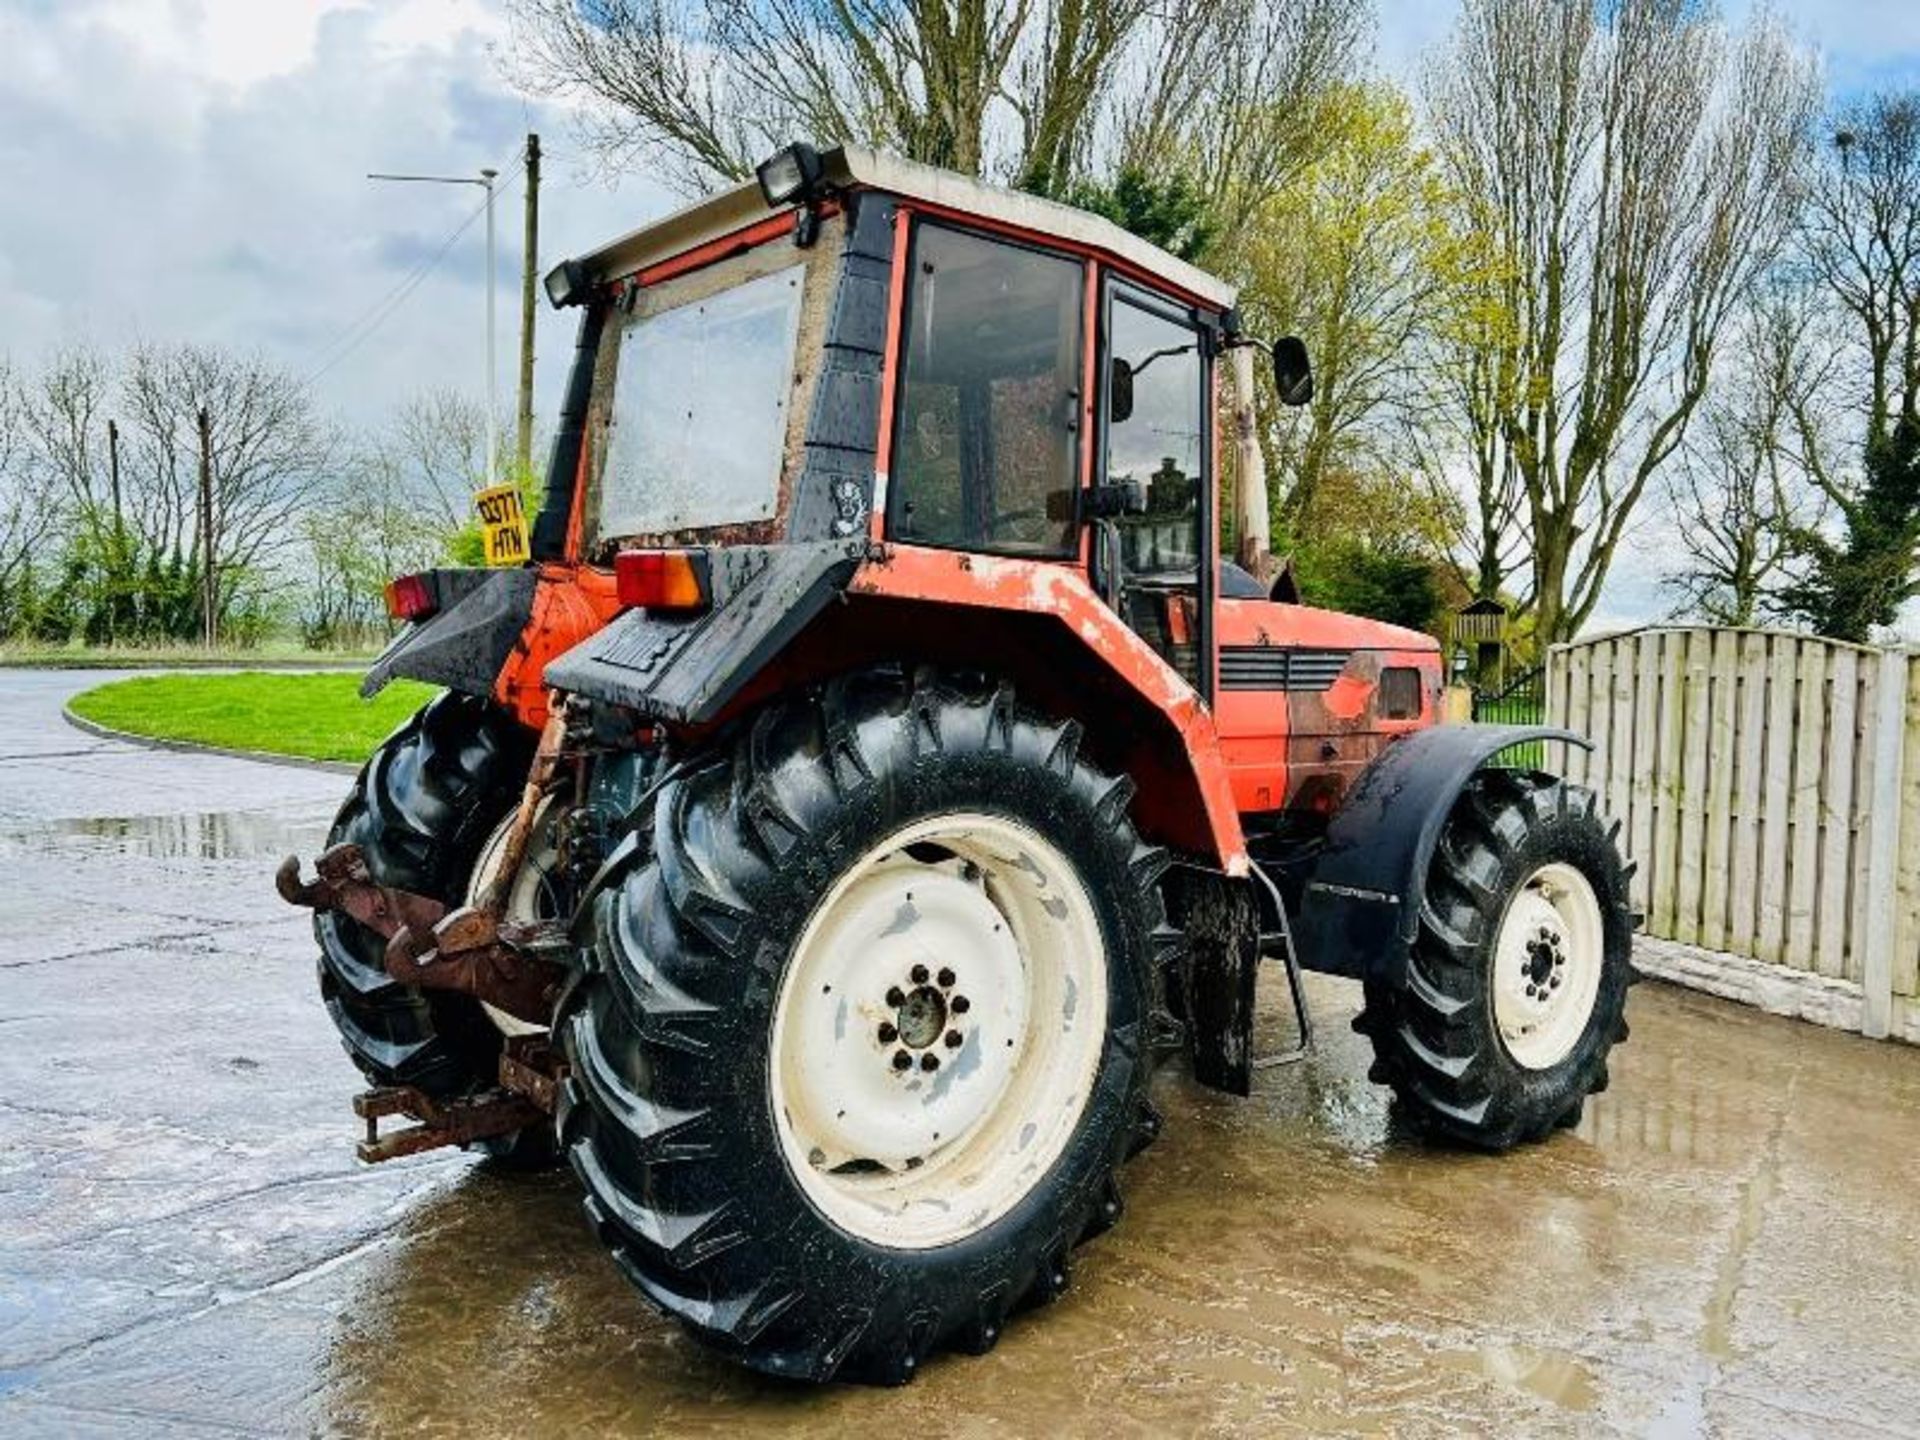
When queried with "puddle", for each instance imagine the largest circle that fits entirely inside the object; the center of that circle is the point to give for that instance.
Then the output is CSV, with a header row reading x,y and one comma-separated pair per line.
x,y
218,835
1558,1378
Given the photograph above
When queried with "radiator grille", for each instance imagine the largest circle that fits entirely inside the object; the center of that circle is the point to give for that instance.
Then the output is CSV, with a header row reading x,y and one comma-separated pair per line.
x,y
1279,667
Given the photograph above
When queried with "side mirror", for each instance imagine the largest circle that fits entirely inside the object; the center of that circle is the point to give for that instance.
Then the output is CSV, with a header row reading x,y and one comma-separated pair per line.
x,y
1119,391
1292,370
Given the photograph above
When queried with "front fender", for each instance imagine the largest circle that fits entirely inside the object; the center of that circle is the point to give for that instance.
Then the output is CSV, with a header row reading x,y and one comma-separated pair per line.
x,y
1361,907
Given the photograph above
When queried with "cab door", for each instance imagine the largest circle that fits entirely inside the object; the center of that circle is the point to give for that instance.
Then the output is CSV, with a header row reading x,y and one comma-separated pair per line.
x,y
1152,552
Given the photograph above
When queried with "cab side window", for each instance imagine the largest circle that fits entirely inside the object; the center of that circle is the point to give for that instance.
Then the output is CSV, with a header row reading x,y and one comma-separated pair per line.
x,y
986,434
1154,438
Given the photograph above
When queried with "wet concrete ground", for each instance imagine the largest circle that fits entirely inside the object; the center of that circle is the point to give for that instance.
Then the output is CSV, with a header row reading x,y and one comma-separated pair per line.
x,y
1727,1244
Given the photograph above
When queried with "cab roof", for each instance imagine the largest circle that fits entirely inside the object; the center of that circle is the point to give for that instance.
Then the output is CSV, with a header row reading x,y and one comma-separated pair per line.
x,y
852,166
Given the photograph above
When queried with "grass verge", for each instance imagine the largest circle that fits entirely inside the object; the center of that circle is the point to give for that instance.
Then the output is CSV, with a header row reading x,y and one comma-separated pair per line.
x,y
144,657
316,716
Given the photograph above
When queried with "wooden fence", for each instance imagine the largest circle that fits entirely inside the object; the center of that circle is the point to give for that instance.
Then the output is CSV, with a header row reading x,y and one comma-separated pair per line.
x,y
1768,785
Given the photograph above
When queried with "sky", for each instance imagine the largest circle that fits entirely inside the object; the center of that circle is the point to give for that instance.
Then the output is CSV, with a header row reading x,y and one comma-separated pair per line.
x,y
195,170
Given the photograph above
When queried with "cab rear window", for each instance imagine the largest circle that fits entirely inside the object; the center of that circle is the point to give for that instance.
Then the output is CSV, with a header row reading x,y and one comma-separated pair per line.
x,y
700,408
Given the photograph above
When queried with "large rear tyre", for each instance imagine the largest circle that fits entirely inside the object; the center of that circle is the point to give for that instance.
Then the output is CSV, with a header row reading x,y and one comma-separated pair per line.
x,y
1516,984
421,810
862,1042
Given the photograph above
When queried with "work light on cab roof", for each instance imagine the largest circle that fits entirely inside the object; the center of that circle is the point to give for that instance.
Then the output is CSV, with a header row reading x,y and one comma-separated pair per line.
x,y
878,766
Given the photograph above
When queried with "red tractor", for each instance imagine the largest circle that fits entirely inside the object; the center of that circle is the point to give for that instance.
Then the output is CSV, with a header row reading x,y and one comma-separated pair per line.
x,y
877,769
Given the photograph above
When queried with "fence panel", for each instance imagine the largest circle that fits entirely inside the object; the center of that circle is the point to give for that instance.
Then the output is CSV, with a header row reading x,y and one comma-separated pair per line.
x,y
1769,786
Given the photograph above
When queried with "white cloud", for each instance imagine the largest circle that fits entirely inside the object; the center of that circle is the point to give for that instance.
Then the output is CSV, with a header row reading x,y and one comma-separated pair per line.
x,y
196,170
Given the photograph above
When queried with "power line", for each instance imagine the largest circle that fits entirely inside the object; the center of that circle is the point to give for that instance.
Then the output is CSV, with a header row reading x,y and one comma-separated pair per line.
x,y
363,327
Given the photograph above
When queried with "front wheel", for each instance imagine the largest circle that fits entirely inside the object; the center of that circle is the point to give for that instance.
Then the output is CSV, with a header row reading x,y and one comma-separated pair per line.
x,y
1515,987
862,1045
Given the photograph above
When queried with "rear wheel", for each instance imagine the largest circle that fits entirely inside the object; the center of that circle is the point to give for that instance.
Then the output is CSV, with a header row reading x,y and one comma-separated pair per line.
x,y
1516,984
422,811
862,1045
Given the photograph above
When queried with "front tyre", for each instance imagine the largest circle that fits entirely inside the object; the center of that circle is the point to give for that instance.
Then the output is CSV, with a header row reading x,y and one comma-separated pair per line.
x,y
862,1044
1516,984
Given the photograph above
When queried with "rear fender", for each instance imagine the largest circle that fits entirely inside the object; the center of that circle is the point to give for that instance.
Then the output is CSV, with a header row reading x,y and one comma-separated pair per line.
x,y
1361,907
1178,748
791,615
687,668
479,618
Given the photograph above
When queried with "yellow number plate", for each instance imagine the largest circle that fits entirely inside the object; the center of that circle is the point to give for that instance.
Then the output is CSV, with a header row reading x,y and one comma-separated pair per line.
x,y
503,522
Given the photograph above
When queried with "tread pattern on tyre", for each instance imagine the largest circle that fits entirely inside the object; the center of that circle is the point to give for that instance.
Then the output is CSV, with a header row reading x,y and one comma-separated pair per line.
x,y
1434,1037
420,809
665,1115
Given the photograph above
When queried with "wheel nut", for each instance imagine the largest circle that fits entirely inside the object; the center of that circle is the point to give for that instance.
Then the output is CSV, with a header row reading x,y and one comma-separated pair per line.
x,y
960,1005
953,1039
1553,982
918,974
888,1034
1531,992
945,978
929,1061
896,997
901,1060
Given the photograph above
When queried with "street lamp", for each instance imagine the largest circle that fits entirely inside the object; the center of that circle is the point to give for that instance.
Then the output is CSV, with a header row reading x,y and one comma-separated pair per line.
x,y
485,180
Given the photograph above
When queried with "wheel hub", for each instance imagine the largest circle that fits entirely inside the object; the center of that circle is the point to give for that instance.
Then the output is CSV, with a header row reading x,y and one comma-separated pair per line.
x,y
936,1029
920,1017
1546,958
1547,963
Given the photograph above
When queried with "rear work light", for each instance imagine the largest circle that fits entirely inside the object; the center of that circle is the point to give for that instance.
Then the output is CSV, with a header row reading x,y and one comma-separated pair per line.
x,y
662,579
410,597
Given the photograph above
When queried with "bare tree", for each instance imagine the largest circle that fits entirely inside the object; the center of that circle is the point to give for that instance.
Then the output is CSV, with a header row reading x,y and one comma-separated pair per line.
x,y
1741,488
1027,91
26,518
436,452
1239,93
63,417
1861,237
365,527
1860,240
270,450
1637,167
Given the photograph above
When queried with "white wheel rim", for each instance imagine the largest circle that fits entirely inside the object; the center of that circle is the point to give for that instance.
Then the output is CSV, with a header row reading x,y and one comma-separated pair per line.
x,y
530,898
987,962
1546,966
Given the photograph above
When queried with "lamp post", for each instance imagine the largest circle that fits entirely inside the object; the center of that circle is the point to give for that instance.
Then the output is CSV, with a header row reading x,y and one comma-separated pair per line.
x,y
485,180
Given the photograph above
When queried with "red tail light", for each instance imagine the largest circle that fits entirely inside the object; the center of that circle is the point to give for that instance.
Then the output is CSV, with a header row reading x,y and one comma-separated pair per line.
x,y
662,579
410,597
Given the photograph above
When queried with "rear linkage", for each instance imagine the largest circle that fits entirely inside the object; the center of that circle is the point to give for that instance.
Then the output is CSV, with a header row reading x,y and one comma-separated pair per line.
x,y
517,968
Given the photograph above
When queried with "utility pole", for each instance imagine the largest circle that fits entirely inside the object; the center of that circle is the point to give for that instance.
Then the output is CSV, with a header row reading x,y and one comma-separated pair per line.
x,y
529,263
119,552
113,475
485,181
493,368
209,581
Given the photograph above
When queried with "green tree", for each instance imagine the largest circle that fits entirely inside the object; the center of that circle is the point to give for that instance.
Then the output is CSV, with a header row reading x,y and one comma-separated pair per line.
x,y
1172,213
1860,239
1358,255
1860,581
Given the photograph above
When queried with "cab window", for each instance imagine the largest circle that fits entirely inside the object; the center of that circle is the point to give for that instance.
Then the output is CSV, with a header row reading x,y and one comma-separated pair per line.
x,y
986,442
1157,442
